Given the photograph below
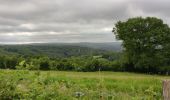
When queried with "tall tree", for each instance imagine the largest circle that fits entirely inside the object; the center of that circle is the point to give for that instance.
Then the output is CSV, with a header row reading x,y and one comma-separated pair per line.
x,y
146,42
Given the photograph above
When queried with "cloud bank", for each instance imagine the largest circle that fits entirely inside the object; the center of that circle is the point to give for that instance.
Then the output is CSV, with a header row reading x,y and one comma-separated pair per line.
x,y
29,21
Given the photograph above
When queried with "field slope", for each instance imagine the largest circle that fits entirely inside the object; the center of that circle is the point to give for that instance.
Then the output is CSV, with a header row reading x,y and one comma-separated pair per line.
x,y
60,85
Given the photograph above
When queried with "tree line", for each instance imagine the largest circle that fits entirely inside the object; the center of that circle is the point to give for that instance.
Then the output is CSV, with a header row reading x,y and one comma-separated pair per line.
x,y
105,62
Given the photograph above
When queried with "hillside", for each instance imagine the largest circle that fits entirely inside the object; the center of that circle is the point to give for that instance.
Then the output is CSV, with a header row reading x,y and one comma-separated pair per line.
x,y
48,50
59,49
108,46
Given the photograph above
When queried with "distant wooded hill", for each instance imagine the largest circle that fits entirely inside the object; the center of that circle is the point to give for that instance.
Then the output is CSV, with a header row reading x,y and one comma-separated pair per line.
x,y
59,49
108,46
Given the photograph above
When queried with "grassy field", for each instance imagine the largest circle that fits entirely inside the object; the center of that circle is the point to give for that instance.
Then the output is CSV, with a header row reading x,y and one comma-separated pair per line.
x,y
61,85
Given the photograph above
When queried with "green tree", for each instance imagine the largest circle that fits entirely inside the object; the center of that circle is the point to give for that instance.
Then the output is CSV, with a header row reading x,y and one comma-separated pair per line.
x,y
44,63
146,43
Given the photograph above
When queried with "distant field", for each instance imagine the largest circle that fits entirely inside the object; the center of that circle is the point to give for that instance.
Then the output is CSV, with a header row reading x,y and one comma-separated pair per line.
x,y
63,85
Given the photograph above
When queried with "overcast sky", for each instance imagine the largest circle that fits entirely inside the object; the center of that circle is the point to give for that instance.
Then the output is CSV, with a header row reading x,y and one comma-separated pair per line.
x,y
29,21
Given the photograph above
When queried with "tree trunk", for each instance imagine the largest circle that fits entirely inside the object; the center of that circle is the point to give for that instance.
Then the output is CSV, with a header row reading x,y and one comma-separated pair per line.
x,y
166,89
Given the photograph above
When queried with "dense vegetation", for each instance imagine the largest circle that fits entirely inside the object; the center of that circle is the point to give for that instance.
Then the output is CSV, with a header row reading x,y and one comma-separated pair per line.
x,y
146,43
50,50
50,57
39,85
62,58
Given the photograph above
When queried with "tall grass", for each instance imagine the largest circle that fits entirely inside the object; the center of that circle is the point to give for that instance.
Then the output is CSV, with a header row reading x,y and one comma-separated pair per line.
x,y
46,85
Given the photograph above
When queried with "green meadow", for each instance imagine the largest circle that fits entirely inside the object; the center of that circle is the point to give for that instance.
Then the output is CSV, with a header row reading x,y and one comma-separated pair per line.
x,y
63,85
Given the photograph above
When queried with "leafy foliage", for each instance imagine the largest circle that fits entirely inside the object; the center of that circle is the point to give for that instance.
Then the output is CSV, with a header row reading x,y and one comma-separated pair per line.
x,y
146,43
81,63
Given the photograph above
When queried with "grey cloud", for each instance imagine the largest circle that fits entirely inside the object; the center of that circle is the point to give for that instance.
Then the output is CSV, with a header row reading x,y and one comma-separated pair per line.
x,y
153,6
71,20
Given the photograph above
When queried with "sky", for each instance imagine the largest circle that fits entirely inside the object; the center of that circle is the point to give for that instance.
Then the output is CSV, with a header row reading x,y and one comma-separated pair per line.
x,y
39,21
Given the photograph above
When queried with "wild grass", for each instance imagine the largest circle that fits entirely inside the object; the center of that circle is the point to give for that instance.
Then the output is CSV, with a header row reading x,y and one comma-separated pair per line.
x,y
62,85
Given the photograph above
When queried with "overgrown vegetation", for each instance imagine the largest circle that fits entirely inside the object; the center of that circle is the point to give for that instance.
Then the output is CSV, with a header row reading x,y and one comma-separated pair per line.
x,y
39,85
